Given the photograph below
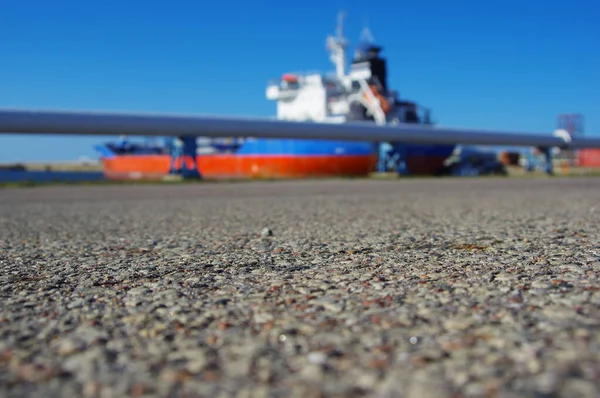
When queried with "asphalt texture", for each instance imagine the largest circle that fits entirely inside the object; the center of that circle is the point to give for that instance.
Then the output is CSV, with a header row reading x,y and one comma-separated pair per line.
x,y
336,288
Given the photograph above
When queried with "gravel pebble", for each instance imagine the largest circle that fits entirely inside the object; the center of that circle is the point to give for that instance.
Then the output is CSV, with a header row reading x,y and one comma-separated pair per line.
x,y
412,288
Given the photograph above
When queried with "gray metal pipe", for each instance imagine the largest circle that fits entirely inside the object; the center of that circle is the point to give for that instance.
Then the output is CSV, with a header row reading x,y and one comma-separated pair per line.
x,y
145,124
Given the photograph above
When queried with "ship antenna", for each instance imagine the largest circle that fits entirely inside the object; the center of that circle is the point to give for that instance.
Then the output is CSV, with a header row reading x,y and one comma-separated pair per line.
x,y
340,26
366,36
337,45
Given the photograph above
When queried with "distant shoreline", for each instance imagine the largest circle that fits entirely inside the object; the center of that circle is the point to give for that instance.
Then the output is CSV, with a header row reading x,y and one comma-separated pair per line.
x,y
52,166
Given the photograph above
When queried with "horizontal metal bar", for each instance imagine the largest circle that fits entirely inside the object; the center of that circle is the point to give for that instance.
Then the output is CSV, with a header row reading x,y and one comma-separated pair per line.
x,y
145,124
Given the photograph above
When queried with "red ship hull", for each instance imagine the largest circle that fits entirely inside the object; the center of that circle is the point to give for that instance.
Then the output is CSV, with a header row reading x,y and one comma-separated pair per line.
x,y
232,166
425,165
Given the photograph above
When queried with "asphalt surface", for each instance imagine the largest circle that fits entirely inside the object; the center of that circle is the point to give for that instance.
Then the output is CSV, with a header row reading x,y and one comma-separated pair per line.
x,y
410,288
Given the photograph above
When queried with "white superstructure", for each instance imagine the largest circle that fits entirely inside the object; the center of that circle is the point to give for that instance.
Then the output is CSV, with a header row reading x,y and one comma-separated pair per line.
x,y
359,94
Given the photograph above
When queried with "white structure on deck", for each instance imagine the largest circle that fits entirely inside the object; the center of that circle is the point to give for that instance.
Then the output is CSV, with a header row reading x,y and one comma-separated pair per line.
x,y
360,94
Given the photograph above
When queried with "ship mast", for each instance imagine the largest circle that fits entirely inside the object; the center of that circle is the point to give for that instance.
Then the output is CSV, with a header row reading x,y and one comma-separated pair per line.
x,y
337,45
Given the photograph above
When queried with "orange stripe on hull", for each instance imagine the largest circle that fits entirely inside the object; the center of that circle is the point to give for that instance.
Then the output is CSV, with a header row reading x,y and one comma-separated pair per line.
x,y
236,166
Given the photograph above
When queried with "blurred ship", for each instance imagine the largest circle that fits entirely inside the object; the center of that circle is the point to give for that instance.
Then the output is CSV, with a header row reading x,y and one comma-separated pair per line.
x,y
360,94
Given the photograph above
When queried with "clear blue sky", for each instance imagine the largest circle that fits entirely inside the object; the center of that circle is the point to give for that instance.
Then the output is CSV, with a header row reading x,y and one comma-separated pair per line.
x,y
495,64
